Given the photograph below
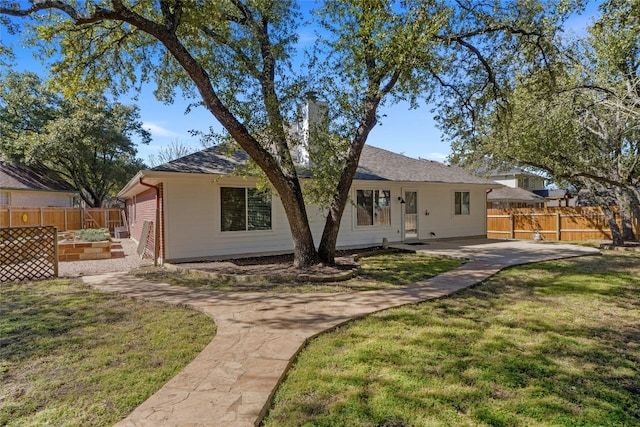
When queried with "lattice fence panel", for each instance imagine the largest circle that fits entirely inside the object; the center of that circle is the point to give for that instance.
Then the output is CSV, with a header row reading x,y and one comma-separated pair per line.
x,y
28,253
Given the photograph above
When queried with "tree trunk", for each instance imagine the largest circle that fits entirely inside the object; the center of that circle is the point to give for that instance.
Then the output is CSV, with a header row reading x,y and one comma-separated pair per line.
x,y
616,235
327,248
304,249
623,200
634,206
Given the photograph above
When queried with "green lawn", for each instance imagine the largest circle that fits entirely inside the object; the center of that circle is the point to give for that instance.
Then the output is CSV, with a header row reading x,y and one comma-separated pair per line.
x,y
70,356
548,344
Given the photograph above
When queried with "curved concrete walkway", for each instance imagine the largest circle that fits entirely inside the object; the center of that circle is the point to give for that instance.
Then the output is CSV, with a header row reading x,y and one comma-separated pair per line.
x,y
231,382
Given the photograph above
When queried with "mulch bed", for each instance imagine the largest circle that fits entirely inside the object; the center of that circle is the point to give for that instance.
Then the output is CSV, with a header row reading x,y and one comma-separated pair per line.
x,y
279,264
631,246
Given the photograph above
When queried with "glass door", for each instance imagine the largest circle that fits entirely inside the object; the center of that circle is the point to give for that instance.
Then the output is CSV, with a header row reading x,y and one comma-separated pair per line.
x,y
410,214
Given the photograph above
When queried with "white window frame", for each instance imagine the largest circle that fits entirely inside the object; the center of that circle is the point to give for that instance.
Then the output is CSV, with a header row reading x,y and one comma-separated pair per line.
x,y
462,211
375,216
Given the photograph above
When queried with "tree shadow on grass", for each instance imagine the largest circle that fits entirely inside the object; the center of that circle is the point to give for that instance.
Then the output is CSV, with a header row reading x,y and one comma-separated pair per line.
x,y
36,320
552,343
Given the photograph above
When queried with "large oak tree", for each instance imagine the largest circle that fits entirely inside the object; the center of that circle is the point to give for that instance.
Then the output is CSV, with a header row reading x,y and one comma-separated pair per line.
x,y
235,58
578,121
89,142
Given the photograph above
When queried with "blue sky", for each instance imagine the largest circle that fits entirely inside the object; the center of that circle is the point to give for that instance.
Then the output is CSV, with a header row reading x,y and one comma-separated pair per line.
x,y
402,130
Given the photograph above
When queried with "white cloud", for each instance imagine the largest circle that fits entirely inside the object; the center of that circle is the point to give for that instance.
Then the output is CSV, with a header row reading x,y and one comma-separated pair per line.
x,y
157,129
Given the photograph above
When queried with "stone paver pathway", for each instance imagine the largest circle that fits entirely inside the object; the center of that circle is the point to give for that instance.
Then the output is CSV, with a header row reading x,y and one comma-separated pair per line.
x,y
231,382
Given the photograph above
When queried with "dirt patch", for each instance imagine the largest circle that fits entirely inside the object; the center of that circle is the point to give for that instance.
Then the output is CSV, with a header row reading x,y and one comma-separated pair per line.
x,y
281,265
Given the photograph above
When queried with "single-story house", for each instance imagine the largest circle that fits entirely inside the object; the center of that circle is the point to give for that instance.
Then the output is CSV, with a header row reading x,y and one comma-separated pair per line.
x,y
204,211
33,186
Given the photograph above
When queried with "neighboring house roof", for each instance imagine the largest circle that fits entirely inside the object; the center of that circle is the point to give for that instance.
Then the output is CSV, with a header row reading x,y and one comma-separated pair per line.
x,y
510,171
553,194
513,195
38,178
513,171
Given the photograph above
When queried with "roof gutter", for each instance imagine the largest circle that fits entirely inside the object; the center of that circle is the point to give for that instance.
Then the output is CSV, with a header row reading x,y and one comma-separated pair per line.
x,y
156,237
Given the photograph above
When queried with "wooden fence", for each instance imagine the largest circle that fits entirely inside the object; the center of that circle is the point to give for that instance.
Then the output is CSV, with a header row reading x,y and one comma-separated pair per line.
x,y
65,219
565,223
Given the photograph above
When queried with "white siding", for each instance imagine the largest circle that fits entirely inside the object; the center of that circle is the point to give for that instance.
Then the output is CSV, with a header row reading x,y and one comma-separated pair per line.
x,y
192,212
192,222
438,199
509,181
40,198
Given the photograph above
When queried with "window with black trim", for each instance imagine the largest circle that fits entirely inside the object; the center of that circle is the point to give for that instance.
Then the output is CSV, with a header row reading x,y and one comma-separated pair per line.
x,y
373,207
462,203
244,209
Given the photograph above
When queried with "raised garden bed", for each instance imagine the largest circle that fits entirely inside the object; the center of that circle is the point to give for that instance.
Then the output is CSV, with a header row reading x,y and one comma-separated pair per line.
x,y
79,250
84,245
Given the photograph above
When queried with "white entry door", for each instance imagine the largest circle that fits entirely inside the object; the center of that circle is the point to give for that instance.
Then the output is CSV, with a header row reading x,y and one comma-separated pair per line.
x,y
410,215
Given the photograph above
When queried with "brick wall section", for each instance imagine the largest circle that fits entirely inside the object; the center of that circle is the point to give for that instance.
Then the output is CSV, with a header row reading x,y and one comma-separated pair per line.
x,y
145,210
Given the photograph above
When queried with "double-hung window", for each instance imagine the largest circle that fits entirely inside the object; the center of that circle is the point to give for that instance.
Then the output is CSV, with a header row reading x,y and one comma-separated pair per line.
x,y
244,209
4,198
373,207
462,203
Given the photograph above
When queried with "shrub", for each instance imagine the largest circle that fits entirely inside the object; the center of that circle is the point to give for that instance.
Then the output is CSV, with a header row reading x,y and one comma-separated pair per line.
x,y
93,235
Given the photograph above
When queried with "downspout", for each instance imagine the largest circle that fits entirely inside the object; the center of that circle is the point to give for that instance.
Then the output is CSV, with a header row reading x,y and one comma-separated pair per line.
x,y
485,196
156,239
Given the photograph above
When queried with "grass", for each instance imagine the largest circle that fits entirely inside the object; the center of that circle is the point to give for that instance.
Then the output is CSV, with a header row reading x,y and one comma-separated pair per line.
x,y
376,272
404,268
548,344
71,356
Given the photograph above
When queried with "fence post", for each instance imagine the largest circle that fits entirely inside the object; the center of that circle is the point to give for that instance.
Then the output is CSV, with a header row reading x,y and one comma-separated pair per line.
x,y
512,232
558,220
55,250
9,217
66,226
41,218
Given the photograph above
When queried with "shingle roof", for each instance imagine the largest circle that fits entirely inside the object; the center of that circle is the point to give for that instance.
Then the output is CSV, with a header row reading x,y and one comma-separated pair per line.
x,y
18,177
553,194
378,164
375,164
513,194
507,172
214,160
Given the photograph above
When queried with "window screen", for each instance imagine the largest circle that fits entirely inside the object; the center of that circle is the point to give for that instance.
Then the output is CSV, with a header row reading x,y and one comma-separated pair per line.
x,y
243,209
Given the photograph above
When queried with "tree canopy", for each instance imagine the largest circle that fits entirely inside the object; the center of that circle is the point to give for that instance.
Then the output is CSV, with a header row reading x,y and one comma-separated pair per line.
x,y
578,121
87,141
235,57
